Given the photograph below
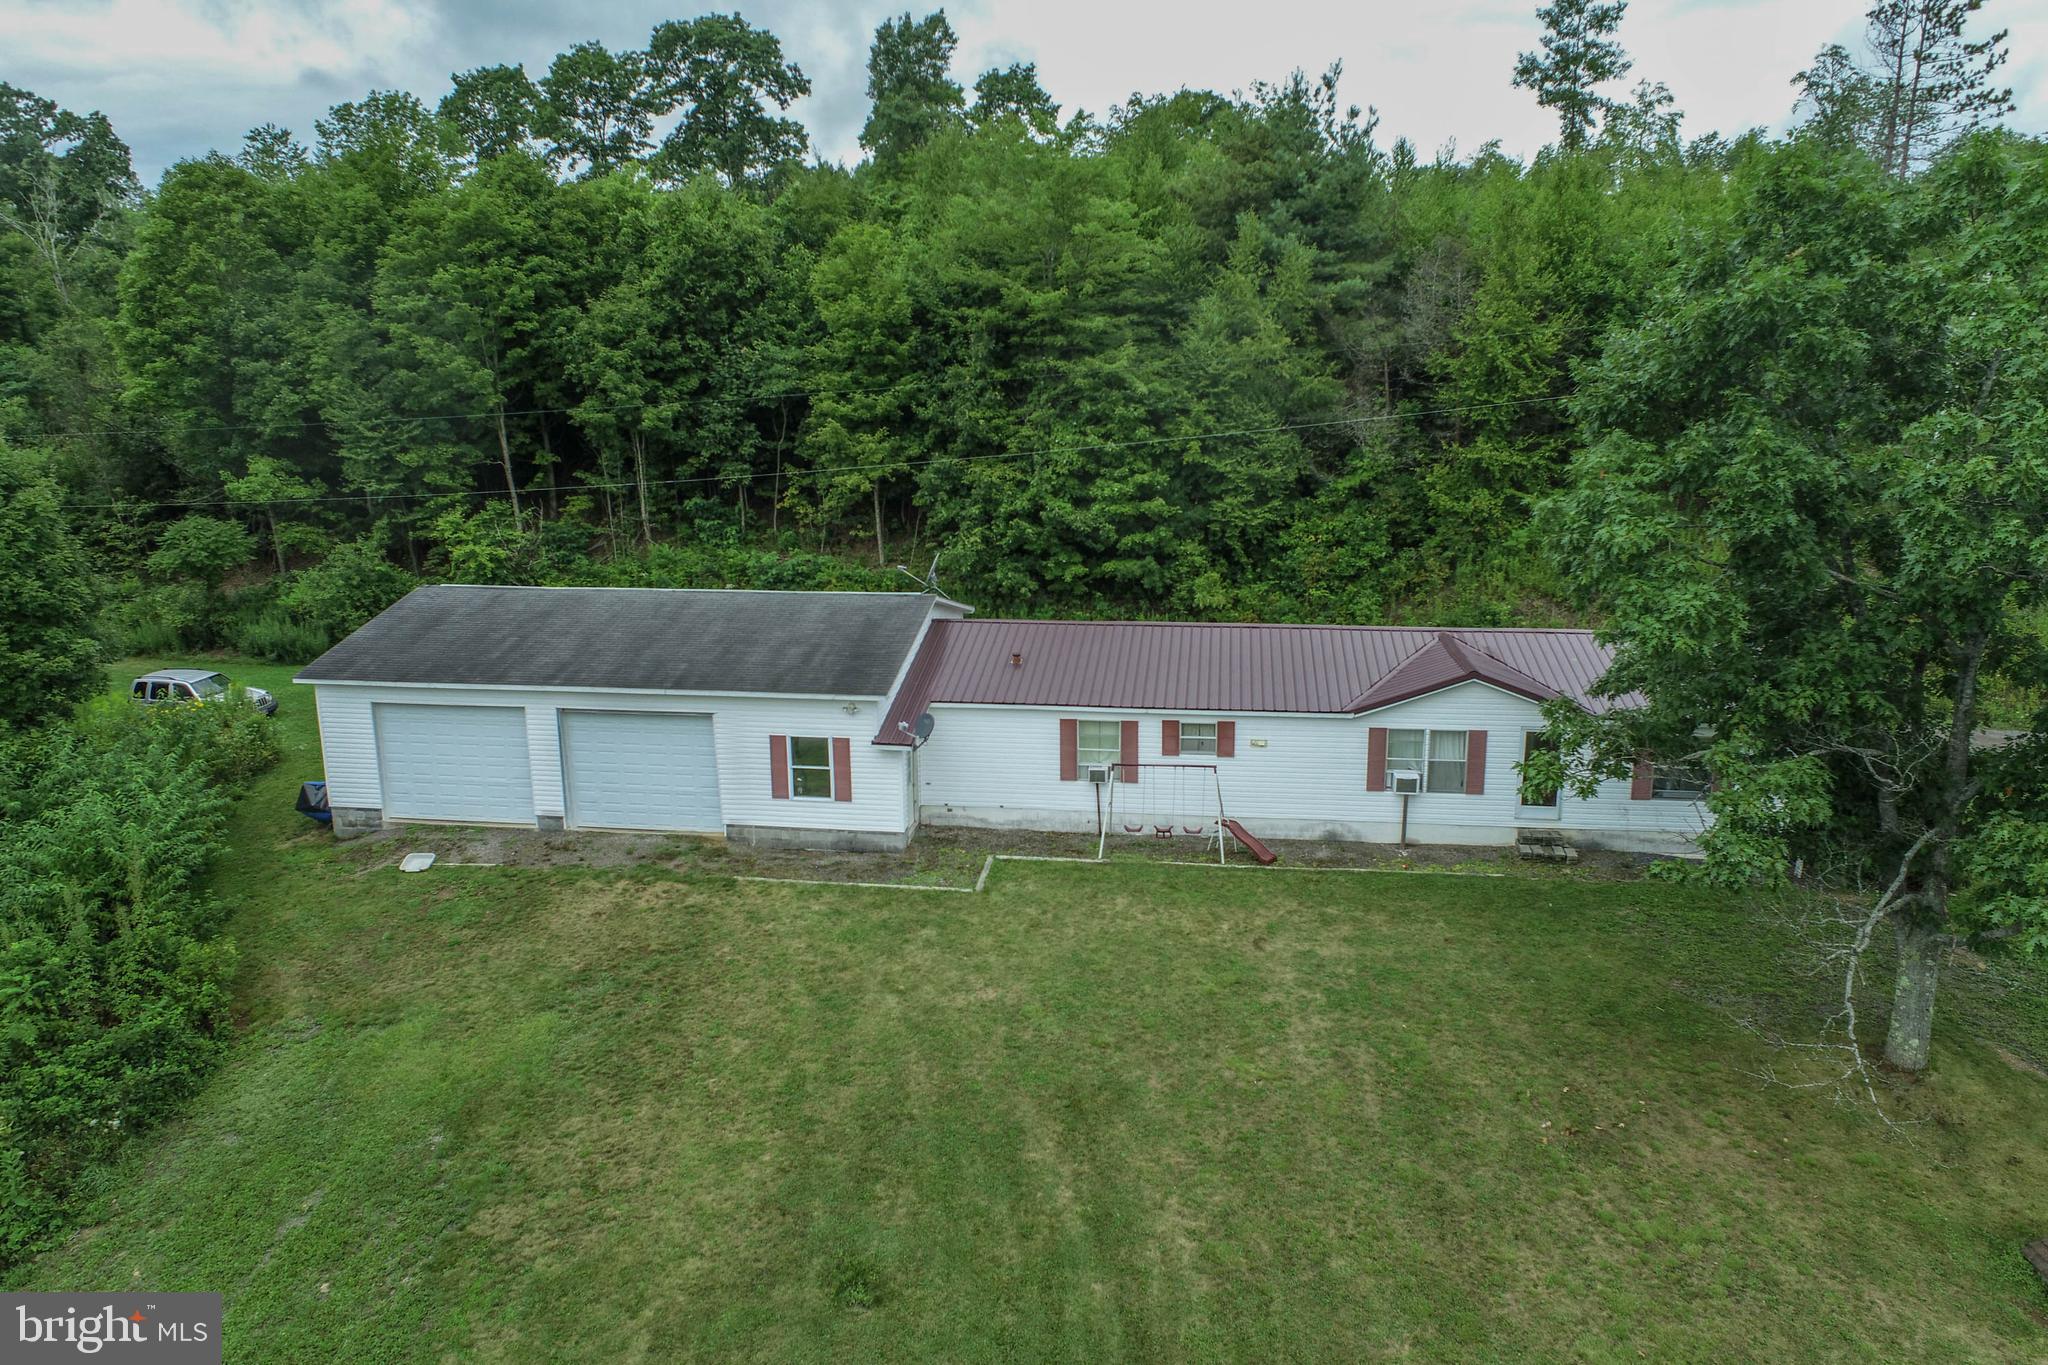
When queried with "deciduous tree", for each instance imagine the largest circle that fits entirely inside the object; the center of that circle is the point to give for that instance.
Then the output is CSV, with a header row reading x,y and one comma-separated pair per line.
x,y
62,177
596,108
913,94
722,73
1815,583
495,110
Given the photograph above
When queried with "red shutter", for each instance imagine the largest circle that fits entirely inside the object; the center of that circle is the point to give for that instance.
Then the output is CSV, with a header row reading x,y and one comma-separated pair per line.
x,y
1226,739
778,767
1475,763
1639,790
1376,759
1070,750
842,770
1130,754
1169,738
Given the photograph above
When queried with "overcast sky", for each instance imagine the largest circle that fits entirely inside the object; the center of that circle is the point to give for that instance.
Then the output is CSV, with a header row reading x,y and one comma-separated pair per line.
x,y
181,77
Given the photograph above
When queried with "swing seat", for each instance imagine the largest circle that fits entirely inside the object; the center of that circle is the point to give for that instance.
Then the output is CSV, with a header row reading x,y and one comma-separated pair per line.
x,y
1194,829
1162,831
1134,829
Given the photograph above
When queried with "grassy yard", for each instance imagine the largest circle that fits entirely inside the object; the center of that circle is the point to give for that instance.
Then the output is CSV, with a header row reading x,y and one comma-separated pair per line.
x,y
1097,1112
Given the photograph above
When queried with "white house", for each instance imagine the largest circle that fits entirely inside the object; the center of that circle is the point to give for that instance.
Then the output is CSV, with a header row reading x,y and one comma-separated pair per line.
x,y
775,717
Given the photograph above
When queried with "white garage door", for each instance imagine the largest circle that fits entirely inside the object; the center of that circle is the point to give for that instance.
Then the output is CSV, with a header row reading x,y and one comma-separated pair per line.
x,y
640,770
463,763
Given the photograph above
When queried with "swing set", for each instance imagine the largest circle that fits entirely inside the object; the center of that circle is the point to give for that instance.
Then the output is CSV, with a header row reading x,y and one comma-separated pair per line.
x,y
1165,801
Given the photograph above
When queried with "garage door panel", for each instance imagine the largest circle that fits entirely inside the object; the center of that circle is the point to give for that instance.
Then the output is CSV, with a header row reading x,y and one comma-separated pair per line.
x,y
461,763
640,770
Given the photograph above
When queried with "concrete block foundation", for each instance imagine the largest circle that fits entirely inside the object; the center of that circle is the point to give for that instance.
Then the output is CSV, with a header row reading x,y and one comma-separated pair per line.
x,y
829,840
352,822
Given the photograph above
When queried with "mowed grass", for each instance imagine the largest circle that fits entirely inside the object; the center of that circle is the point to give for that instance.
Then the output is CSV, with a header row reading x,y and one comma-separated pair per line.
x,y
1097,1113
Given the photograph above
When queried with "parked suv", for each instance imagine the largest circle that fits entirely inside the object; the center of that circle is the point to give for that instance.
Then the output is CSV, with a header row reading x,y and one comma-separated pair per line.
x,y
196,684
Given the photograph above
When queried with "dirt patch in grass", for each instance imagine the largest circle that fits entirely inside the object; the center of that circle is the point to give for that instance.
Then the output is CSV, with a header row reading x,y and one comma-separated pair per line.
x,y
493,847
937,857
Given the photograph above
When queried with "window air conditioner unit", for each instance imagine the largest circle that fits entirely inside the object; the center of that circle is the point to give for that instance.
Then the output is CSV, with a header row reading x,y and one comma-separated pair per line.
x,y
1098,774
1404,781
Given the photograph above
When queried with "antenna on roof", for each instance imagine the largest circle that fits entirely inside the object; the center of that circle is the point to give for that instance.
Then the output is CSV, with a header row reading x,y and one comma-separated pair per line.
x,y
930,581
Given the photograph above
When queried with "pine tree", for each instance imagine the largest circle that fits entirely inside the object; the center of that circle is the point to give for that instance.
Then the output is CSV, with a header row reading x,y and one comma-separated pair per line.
x,y
1579,54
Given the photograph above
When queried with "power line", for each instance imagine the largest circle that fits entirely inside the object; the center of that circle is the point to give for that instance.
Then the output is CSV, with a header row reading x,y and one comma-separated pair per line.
x,y
797,475
394,419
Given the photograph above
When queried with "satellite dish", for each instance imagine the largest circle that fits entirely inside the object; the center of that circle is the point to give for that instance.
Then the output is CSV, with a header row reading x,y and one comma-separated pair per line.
x,y
924,726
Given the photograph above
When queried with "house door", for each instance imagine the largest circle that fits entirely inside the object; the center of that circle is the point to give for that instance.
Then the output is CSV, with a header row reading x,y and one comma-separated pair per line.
x,y
1533,743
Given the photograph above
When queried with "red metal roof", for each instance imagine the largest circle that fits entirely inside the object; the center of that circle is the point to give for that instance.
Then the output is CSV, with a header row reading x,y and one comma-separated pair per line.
x,y
1168,666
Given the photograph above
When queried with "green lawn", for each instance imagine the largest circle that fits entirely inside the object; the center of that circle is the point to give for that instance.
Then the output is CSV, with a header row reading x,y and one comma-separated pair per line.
x,y
1121,1112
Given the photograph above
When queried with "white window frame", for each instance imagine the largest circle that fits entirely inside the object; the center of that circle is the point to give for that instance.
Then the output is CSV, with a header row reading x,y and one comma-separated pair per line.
x,y
1463,761
831,777
1082,749
1424,763
1203,746
1417,763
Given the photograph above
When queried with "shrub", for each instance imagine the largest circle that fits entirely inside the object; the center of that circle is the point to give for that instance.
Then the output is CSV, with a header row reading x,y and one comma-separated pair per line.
x,y
113,976
168,618
273,634
344,590
202,552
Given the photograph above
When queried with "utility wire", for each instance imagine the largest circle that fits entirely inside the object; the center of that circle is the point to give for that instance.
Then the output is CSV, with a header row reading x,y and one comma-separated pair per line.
x,y
394,419
798,475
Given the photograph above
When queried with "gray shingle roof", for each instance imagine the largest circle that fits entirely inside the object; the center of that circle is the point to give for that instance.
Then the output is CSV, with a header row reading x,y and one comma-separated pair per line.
x,y
842,644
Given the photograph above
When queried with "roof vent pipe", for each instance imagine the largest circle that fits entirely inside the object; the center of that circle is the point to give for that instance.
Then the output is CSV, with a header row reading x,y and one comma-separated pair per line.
x,y
1016,661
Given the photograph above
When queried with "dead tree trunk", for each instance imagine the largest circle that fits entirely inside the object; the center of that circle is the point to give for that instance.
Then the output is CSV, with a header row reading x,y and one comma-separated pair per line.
x,y
881,549
1911,1036
640,486
1922,931
505,455
775,501
547,446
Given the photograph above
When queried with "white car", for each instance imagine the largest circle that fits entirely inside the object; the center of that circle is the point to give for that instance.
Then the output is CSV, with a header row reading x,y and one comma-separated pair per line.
x,y
196,684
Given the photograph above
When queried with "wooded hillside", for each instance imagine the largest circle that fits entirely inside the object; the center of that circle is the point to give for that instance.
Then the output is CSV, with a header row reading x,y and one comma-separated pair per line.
x,y
1198,355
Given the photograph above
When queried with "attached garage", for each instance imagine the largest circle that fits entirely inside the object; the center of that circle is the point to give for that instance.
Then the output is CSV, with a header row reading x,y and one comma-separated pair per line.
x,y
456,763
741,714
640,770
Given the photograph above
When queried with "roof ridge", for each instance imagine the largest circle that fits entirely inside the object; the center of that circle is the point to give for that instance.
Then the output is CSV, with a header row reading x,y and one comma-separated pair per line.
x,y
1279,625
1435,641
645,587
1503,663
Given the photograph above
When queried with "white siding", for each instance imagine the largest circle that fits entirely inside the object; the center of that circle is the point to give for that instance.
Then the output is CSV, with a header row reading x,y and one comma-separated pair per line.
x,y
1000,765
741,726
348,741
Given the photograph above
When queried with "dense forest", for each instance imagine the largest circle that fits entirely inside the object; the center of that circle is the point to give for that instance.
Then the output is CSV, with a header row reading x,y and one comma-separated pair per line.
x,y
1199,355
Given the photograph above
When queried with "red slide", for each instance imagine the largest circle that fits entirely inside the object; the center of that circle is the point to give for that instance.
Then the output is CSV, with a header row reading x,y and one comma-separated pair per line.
x,y
1250,841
